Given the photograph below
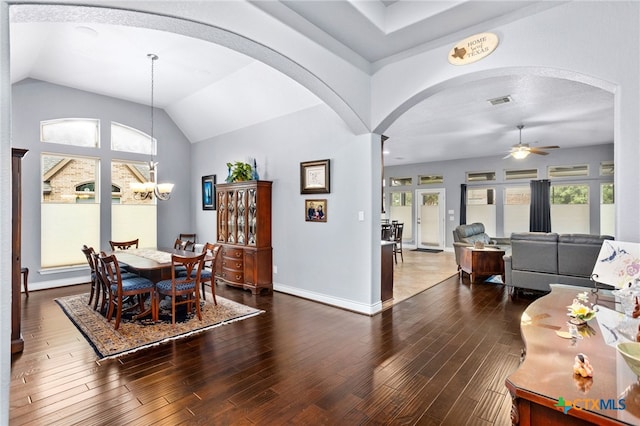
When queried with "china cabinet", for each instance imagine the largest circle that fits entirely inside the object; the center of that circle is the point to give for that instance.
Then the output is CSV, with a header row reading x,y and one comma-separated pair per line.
x,y
244,232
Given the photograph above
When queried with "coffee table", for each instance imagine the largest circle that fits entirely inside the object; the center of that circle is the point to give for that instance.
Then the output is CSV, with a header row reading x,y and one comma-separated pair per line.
x,y
482,262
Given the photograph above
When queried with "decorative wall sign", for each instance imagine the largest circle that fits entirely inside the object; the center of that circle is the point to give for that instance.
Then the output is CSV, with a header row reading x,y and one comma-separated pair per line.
x,y
473,48
314,177
208,192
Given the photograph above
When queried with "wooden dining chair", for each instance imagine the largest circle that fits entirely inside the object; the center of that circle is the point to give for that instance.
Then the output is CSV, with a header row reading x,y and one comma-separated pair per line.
x,y
123,245
96,288
397,239
120,288
183,244
183,289
188,237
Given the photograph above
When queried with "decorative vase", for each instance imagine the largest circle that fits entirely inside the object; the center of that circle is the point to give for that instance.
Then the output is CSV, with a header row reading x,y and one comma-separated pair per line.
x,y
254,172
229,179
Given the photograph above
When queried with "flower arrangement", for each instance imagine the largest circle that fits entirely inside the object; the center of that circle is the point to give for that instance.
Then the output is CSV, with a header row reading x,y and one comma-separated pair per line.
x,y
579,310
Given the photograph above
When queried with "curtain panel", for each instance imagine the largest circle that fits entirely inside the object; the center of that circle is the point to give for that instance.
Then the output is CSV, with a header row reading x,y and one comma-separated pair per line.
x,y
540,210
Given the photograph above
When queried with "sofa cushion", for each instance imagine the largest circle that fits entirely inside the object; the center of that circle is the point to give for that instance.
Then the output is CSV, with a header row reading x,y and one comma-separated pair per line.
x,y
535,251
578,253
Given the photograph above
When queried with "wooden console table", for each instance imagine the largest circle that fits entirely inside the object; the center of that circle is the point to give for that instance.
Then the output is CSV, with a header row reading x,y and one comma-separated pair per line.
x,y
546,377
482,262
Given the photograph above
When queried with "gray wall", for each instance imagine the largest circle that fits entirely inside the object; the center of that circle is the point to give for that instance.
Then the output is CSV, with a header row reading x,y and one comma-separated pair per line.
x,y
454,173
331,261
34,101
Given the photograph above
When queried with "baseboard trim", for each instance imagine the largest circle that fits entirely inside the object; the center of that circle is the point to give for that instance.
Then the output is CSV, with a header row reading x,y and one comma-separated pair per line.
x,y
349,305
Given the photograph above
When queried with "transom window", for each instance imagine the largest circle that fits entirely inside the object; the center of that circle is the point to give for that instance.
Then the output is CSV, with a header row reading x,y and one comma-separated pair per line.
x,y
480,176
406,181
71,131
128,139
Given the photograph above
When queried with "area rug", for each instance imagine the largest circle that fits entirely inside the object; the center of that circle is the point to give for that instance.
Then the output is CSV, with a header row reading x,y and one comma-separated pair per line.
x,y
425,250
133,335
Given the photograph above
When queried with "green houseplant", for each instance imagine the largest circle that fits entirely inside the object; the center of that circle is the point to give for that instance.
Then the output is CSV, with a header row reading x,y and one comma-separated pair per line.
x,y
239,171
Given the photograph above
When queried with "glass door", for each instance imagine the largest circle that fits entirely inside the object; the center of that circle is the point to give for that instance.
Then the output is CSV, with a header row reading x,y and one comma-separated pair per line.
x,y
430,216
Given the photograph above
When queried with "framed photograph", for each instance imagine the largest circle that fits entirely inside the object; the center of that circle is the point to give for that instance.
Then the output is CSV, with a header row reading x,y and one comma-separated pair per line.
x,y
209,192
315,210
314,177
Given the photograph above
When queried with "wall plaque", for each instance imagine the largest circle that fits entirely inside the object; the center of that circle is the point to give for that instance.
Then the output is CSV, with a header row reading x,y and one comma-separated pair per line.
x,y
473,48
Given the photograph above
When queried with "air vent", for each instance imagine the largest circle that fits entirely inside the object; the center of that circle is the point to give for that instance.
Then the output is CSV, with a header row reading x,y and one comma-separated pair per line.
x,y
500,100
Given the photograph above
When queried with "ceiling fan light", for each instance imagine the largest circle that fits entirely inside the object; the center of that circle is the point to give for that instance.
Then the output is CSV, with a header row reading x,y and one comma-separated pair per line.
x,y
520,154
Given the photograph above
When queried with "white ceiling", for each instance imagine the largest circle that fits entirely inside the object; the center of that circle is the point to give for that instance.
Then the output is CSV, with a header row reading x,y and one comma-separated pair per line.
x,y
209,90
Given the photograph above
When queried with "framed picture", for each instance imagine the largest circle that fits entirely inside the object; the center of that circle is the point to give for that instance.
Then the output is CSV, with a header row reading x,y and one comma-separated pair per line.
x,y
209,192
314,177
315,210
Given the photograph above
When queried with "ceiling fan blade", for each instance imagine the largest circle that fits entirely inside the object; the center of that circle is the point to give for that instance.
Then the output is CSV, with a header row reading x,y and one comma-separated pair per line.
x,y
537,151
547,147
506,156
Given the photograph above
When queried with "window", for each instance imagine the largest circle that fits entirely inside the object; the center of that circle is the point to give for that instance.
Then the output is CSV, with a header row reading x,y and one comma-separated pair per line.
x,y
71,131
570,209
606,168
480,176
607,209
71,191
521,174
401,208
128,139
568,171
401,181
70,210
481,208
132,218
517,200
427,179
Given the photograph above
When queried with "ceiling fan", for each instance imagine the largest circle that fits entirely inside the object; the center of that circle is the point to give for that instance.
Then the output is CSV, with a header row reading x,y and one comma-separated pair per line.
x,y
521,150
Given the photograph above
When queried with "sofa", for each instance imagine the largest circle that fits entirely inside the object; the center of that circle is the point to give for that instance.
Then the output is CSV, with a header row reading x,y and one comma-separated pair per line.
x,y
468,235
538,259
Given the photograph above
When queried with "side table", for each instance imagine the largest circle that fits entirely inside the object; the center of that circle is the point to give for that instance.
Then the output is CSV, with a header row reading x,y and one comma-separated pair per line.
x,y
482,262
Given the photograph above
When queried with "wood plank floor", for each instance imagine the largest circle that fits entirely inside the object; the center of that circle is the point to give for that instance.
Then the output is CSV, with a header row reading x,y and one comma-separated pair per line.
x,y
440,357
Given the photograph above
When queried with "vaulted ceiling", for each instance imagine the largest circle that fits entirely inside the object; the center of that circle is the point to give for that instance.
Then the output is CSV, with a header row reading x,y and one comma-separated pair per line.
x,y
209,90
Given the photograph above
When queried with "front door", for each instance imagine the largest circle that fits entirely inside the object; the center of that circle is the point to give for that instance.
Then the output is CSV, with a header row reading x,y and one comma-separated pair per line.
x,y
430,216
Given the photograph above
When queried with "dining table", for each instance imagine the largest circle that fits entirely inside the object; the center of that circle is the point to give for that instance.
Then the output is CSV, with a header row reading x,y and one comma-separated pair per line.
x,y
153,263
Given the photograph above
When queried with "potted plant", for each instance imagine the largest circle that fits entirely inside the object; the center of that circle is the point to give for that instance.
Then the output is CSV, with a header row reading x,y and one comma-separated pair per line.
x,y
239,171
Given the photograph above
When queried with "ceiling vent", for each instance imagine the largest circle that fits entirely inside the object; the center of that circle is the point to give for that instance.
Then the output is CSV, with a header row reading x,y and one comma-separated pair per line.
x,y
500,100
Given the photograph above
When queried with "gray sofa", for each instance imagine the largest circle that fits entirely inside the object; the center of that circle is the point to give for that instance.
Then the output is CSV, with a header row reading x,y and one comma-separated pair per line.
x,y
468,235
538,259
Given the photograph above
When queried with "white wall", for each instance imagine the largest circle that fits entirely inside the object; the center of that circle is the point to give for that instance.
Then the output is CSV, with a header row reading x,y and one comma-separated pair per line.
x,y
332,261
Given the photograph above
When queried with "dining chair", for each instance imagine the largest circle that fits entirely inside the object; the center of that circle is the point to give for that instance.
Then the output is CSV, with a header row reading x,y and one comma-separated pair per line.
x,y
123,245
180,244
208,269
120,288
188,237
386,232
183,289
397,239
95,284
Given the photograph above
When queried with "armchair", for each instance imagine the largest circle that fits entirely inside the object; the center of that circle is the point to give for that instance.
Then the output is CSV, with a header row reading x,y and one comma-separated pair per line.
x,y
468,235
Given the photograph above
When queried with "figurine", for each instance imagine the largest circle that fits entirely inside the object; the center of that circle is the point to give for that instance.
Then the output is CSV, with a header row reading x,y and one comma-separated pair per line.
x,y
582,366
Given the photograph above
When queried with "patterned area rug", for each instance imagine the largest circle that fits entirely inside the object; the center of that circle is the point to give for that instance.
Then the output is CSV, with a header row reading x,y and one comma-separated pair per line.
x,y
133,335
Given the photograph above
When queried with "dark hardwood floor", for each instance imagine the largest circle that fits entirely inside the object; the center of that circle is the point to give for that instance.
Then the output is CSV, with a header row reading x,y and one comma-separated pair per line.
x,y
440,357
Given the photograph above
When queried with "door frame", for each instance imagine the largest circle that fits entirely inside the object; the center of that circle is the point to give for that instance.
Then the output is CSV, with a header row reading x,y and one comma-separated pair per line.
x,y
442,211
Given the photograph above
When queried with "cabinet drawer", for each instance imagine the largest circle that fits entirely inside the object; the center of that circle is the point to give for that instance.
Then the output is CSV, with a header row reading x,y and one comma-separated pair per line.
x,y
232,252
232,264
232,275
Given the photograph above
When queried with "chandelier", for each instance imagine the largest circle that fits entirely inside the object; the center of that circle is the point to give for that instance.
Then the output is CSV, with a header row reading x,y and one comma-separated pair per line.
x,y
145,190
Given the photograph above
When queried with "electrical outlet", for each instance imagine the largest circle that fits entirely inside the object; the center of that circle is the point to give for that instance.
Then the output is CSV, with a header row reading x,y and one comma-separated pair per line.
x,y
275,269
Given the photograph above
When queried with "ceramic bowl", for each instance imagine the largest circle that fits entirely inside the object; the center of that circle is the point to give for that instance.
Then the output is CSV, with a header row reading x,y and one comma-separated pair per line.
x,y
631,354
